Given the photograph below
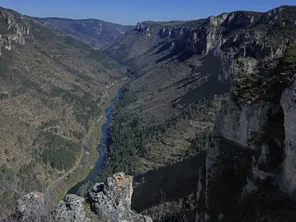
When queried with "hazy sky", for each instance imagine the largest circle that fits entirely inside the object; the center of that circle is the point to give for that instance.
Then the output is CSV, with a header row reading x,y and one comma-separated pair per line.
x,y
132,11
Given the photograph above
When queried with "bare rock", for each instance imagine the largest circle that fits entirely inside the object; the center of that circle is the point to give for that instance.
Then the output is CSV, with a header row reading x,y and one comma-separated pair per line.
x,y
70,210
15,31
112,201
289,105
32,208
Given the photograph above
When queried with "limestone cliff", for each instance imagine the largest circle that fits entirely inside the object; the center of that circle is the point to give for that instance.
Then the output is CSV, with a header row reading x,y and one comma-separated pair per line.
x,y
250,158
14,29
250,166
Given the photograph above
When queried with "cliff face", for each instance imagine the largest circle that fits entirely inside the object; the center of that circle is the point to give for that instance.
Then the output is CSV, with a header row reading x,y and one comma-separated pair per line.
x,y
229,76
13,30
288,103
238,33
250,158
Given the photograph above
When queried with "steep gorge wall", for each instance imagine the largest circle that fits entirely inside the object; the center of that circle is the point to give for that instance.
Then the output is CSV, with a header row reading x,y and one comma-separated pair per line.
x,y
288,103
251,159
246,158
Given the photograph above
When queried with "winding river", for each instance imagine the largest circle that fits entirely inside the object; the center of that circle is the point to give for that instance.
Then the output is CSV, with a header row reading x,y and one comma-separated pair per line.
x,y
102,147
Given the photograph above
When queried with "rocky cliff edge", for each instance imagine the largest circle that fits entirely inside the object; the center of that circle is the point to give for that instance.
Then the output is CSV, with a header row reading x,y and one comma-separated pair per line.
x,y
109,201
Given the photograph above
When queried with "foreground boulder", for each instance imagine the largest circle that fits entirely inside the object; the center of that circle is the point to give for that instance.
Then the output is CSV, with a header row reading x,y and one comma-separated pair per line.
x,y
71,210
112,201
32,208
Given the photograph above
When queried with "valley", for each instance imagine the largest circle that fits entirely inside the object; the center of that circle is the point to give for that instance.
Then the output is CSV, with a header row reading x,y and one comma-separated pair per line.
x,y
194,118
51,100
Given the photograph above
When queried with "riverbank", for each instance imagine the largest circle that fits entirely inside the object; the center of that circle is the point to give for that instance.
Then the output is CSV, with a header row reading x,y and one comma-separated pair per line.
x,y
60,187
102,149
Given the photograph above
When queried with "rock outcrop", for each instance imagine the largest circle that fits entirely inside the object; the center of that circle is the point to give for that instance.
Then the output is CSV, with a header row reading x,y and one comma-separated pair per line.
x,y
206,34
71,209
112,201
32,208
14,29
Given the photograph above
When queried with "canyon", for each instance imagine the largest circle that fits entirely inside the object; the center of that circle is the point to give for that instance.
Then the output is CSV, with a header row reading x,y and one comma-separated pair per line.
x,y
205,129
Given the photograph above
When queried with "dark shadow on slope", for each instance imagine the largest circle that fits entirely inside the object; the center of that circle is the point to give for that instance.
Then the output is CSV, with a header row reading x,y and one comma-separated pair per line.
x,y
164,46
206,91
211,67
160,44
167,184
177,51
274,138
235,169
185,55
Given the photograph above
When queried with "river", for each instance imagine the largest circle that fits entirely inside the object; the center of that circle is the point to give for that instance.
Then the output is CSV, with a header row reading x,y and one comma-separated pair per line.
x,y
102,146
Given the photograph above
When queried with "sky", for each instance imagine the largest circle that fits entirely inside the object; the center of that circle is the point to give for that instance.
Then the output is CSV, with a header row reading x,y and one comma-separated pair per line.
x,y
129,12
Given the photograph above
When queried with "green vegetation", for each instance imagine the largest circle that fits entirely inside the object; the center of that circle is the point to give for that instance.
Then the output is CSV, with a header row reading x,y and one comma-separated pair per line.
x,y
14,76
5,73
40,84
59,152
14,184
80,75
8,184
76,43
132,137
4,96
247,88
125,100
165,88
288,62
198,143
50,123
266,84
85,107
282,28
98,56
40,31
28,180
77,135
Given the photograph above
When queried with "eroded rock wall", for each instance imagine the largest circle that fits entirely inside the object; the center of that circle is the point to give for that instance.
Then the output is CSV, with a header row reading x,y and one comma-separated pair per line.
x,y
13,30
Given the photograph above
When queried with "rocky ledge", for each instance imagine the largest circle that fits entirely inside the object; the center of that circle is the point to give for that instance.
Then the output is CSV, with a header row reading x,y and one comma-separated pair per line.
x,y
31,208
71,209
109,201
112,201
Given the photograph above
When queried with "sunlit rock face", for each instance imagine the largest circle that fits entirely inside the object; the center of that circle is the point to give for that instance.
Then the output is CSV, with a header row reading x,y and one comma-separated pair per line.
x,y
13,30
70,209
32,208
111,201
